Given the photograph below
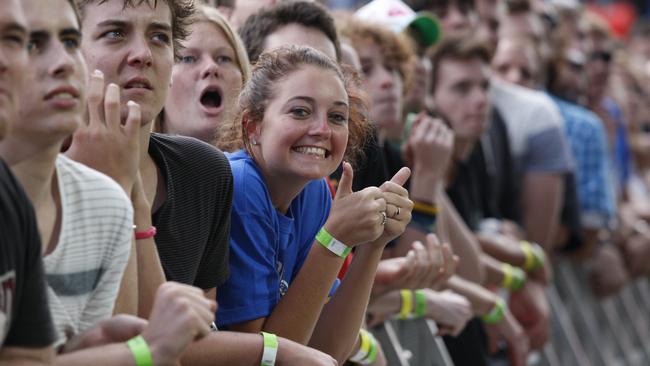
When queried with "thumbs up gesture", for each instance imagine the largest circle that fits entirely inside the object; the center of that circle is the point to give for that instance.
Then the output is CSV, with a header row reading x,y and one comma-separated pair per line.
x,y
356,217
398,206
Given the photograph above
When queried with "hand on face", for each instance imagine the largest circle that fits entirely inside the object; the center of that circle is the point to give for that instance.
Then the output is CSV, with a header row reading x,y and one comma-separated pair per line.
x,y
429,146
104,143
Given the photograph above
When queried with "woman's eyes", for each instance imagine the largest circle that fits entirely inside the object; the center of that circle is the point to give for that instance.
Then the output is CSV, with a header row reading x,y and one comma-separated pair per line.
x,y
188,59
338,118
300,112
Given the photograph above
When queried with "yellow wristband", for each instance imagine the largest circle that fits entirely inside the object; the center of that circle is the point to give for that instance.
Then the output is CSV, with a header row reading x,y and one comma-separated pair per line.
x,y
507,276
407,304
364,347
425,208
529,264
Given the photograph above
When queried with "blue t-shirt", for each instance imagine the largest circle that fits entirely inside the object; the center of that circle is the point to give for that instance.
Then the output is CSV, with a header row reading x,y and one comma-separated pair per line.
x,y
267,248
588,142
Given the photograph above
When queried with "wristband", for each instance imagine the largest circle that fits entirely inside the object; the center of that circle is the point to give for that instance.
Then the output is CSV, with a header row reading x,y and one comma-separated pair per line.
x,y
424,222
367,353
140,350
270,349
147,234
513,278
497,313
420,304
328,241
364,347
425,208
406,311
535,256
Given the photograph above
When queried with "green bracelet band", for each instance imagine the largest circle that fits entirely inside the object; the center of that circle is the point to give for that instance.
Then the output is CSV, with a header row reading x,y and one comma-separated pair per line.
x,y
496,314
332,244
140,350
518,279
420,304
270,349
372,355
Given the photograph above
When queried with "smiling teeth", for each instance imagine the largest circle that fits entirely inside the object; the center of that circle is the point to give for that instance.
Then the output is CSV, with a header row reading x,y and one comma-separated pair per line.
x,y
311,151
64,95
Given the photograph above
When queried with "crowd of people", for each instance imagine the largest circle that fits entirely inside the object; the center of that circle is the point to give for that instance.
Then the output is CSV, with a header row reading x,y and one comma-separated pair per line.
x,y
261,182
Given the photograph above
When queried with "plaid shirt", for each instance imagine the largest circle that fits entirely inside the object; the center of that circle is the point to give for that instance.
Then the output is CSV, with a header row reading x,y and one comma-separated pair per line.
x,y
596,191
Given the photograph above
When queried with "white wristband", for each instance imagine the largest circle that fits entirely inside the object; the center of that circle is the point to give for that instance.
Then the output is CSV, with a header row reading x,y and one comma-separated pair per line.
x,y
270,349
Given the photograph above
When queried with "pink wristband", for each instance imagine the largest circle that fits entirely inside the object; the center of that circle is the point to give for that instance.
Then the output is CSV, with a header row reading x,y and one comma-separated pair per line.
x,y
147,234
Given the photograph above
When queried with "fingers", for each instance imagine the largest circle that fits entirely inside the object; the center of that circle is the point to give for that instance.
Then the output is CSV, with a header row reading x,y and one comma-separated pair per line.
x,y
134,119
401,176
95,98
112,106
345,184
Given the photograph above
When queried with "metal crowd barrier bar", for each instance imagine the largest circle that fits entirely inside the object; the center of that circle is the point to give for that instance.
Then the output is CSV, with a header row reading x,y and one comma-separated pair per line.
x,y
413,343
614,331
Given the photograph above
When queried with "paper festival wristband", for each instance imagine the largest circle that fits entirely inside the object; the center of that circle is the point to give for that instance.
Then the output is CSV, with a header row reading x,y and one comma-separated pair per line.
x,y
364,347
140,350
420,304
496,314
270,349
328,241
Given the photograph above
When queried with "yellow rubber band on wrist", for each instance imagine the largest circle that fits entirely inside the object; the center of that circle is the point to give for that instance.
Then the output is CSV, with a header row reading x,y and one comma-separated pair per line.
x,y
529,264
507,276
364,347
407,304
425,208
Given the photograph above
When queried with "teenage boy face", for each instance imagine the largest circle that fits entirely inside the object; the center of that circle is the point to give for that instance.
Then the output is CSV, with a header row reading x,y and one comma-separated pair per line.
x,y
461,95
13,59
132,46
51,102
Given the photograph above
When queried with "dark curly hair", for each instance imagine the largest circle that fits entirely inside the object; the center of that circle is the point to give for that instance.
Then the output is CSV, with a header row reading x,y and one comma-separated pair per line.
x,y
276,65
181,10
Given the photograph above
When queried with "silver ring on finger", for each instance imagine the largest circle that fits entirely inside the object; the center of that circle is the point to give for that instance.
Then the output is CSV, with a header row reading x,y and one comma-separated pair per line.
x,y
398,211
383,217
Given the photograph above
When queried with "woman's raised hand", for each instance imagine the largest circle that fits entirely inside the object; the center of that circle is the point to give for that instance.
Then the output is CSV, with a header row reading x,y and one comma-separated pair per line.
x,y
398,206
356,217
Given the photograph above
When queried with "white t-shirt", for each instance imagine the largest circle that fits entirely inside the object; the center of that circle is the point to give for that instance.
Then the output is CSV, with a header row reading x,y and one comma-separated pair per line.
x,y
535,128
85,269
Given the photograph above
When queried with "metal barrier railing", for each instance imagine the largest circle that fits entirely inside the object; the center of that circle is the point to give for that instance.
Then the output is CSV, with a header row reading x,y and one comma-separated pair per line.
x,y
584,331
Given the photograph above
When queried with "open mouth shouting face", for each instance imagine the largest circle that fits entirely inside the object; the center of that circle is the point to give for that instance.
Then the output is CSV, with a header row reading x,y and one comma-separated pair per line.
x,y
205,84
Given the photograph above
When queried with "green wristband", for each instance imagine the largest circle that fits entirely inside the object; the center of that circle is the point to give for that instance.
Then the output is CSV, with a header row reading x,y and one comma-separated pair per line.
x,y
518,278
270,349
496,314
420,304
328,241
140,350
372,355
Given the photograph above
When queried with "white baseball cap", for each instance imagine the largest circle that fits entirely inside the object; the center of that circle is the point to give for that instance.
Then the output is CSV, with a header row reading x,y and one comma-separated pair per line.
x,y
399,17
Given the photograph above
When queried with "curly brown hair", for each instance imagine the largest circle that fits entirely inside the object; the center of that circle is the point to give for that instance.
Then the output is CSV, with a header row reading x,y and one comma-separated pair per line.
x,y
276,65
396,49
181,10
